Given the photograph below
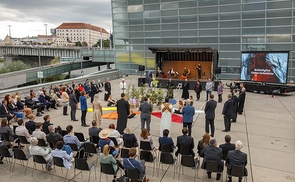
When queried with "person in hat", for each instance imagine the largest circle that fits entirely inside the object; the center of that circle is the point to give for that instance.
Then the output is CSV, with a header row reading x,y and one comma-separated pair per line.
x,y
104,140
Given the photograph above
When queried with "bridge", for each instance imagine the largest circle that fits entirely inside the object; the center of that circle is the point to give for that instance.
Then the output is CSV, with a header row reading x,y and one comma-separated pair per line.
x,y
92,53
13,79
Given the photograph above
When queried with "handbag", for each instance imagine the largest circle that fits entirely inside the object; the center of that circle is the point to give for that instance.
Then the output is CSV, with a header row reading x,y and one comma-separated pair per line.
x,y
65,104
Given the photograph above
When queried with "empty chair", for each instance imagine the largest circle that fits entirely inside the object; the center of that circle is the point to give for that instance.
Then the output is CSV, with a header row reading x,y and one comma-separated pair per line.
x,y
133,174
238,171
212,166
167,158
94,139
124,153
148,156
107,169
4,152
74,148
64,132
91,149
42,143
23,140
38,159
59,163
187,161
80,136
81,164
179,86
20,155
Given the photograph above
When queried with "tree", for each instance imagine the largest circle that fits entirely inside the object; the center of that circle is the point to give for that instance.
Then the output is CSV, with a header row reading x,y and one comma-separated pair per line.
x,y
14,66
84,44
105,43
78,44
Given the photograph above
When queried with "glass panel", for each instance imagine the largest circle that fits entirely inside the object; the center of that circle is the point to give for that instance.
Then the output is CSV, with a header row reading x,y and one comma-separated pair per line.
x,y
208,10
253,15
229,55
120,22
136,28
188,26
227,62
229,39
256,6
121,29
283,38
251,31
119,10
169,5
208,25
135,2
135,15
188,4
208,17
278,30
188,18
135,21
119,4
148,14
253,47
208,39
136,34
150,1
228,24
169,13
253,40
122,35
279,13
277,22
232,8
152,20
170,20
279,4
253,23
188,33
169,26
153,41
152,34
188,11
169,41
229,2
278,47
152,27
229,31
136,41
188,40
152,7
135,8
120,16
208,2
231,16
208,32
229,47
170,34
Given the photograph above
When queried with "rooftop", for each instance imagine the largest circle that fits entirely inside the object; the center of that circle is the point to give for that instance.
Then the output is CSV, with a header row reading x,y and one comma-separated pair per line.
x,y
81,26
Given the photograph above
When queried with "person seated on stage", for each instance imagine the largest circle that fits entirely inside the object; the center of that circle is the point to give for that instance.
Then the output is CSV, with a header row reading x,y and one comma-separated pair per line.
x,y
111,101
172,73
180,106
159,73
185,71
188,73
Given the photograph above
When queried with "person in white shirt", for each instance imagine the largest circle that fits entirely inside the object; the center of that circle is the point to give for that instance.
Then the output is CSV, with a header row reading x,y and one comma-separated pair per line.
x,y
208,86
43,151
58,152
115,134
21,130
38,133
123,86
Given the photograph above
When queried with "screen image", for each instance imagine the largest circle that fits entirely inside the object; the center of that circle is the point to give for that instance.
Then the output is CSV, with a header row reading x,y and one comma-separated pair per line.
x,y
268,67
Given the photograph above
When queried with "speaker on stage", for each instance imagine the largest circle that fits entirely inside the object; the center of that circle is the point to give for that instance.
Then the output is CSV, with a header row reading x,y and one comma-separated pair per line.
x,y
141,81
218,70
141,67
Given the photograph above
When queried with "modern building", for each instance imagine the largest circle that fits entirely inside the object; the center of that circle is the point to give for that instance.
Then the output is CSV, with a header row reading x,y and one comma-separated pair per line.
x,y
83,32
230,26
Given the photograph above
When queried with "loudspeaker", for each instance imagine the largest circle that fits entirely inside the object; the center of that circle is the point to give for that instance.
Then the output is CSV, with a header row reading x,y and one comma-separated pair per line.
x,y
141,67
218,70
141,81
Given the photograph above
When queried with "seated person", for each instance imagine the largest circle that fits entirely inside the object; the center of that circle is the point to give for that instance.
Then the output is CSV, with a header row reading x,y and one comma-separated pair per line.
x,y
185,140
145,136
111,101
12,108
71,138
53,137
45,102
203,143
159,73
106,158
104,140
4,112
213,153
94,130
185,71
5,128
115,134
172,72
38,133
22,108
21,130
50,99
238,158
47,123
227,146
128,135
165,140
58,152
31,124
180,106
34,105
131,162
43,151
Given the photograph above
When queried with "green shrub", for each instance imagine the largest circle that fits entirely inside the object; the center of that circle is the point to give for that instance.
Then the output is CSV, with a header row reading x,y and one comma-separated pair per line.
x,y
14,66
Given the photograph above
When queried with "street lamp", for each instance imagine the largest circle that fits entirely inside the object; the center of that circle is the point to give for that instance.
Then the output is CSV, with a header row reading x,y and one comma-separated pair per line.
x,y
9,33
46,28
40,73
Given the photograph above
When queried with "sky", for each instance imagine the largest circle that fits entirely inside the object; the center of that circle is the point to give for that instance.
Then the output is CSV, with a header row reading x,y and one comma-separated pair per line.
x,y
27,17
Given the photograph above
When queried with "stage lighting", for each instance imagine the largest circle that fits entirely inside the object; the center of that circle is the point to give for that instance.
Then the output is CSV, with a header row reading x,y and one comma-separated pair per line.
x,y
204,51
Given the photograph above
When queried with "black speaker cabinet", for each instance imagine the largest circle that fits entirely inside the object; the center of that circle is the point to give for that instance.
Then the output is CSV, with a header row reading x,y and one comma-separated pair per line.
x,y
141,81
141,67
218,70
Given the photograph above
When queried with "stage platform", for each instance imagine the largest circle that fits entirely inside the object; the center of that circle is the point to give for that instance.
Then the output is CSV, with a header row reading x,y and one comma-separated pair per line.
x,y
163,82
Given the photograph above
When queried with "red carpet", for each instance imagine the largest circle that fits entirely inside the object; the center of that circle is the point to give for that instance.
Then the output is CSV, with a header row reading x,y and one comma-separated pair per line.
x,y
175,118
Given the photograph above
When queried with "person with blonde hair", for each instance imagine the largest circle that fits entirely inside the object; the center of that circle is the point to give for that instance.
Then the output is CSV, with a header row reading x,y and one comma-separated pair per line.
x,y
97,110
22,108
203,142
106,158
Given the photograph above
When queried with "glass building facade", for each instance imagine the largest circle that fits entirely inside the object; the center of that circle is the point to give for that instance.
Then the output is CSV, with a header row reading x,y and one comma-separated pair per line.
x,y
230,26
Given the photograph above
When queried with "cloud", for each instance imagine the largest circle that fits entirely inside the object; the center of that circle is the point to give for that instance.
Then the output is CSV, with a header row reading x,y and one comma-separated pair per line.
x,y
32,14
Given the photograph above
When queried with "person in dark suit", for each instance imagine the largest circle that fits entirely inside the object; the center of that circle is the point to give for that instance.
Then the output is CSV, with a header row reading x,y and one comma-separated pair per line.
x,y
165,140
94,130
45,102
185,140
238,158
188,113
123,110
242,100
93,90
31,124
198,90
33,105
199,68
185,88
227,146
128,135
213,153
145,116
107,88
210,115
235,105
73,104
227,112
4,113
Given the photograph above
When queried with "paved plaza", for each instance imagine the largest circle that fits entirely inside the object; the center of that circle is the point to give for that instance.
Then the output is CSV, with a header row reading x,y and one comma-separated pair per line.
x,y
266,129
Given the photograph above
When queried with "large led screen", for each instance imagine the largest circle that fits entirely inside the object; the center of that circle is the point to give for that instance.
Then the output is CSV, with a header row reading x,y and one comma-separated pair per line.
x,y
269,67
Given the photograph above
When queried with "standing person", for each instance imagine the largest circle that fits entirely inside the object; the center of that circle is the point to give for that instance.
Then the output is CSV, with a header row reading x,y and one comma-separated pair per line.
x,y
220,91
93,90
235,99
83,107
242,100
73,104
185,88
65,100
97,110
188,113
107,88
145,116
123,86
199,68
210,115
227,113
208,88
170,87
166,109
198,90
123,110
238,158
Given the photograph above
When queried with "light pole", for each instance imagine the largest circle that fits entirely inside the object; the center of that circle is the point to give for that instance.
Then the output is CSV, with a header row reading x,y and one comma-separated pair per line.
x,y
9,34
40,75
45,28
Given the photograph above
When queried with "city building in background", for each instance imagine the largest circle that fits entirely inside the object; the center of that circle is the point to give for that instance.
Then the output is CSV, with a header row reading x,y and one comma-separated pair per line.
x,y
79,32
230,26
